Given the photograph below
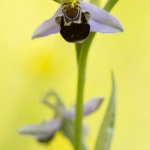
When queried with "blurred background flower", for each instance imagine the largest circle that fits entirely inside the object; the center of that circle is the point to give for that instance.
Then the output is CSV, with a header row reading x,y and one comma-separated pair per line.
x,y
30,68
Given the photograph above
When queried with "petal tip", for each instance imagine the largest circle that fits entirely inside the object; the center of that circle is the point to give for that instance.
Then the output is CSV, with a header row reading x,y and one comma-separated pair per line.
x,y
35,35
121,28
22,130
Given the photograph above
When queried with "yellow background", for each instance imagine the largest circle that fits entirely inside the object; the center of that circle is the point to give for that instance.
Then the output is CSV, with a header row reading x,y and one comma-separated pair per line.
x,y
28,69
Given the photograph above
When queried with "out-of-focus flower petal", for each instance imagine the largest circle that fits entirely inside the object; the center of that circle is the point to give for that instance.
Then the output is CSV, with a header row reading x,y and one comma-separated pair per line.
x,y
100,20
44,131
91,106
70,114
48,27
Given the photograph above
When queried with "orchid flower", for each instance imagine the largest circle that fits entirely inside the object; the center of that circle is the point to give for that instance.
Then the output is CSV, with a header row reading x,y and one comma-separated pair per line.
x,y
75,19
63,118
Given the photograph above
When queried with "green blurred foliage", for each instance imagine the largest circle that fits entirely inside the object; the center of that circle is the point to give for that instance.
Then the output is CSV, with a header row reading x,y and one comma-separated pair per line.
x,y
30,68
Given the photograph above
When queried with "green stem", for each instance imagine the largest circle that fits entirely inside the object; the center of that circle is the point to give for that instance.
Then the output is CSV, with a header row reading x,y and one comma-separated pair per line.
x,y
79,105
82,58
110,4
82,52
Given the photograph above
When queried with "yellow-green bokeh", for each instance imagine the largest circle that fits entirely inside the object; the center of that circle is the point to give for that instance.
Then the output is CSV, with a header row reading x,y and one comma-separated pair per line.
x,y
29,68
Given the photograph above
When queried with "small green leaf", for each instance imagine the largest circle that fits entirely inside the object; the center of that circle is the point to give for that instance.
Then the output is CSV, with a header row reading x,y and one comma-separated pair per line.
x,y
107,127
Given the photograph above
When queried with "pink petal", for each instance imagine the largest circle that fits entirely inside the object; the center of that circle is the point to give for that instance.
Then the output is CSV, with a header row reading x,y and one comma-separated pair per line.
x,y
48,27
100,20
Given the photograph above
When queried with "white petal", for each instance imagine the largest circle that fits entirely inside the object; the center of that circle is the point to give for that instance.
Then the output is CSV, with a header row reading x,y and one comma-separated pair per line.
x,y
42,131
92,105
48,27
88,108
100,20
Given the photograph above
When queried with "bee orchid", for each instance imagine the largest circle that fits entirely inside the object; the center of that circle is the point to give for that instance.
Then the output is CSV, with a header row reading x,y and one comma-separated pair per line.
x,y
74,20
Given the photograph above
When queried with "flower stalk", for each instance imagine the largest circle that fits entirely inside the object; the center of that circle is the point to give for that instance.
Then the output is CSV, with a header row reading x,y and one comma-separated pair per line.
x,y
82,53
